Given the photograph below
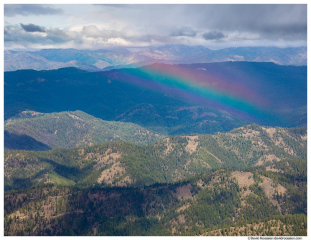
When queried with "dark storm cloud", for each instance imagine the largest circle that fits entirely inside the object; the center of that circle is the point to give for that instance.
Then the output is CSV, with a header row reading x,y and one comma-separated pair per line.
x,y
32,28
11,10
214,35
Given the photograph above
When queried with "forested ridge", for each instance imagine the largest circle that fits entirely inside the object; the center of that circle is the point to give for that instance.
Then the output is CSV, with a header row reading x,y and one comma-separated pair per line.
x,y
127,95
30,130
219,202
249,181
174,158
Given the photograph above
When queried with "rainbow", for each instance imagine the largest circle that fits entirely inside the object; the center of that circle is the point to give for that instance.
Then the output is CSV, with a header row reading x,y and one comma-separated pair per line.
x,y
198,86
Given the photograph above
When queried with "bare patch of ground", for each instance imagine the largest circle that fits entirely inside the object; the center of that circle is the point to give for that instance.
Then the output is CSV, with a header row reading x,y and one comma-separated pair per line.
x,y
108,175
244,179
192,144
75,117
18,214
184,207
184,192
270,189
103,159
169,146
124,182
181,219
270,132
201,184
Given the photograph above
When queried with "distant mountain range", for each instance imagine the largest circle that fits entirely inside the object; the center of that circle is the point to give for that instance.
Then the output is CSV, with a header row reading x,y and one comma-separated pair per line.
x,y
99,60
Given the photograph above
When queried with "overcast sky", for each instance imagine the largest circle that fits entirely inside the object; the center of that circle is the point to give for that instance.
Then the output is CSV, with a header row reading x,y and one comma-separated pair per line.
x,y
103,26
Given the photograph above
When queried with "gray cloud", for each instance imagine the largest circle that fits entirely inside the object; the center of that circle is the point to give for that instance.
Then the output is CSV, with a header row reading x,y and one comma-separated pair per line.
x,y
11,10
21,37
32,28
156,24
214,35
183,31
268,21
271,21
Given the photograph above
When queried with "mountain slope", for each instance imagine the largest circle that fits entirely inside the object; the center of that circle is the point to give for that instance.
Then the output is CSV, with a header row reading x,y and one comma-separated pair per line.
x,y
171,99
23,141
74,129
250,181
174,158
28,60
223,202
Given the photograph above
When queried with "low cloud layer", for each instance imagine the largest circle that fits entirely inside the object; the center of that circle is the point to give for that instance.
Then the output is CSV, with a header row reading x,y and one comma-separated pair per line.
x,y
99,26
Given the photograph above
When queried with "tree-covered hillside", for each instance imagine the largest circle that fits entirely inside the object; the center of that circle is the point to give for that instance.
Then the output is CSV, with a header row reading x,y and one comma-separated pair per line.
x,y
169,160
249,181
70,129
265,201
170,99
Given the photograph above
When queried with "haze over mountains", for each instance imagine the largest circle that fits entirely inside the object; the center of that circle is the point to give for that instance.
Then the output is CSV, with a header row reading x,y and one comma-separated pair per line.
x,y
105,59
